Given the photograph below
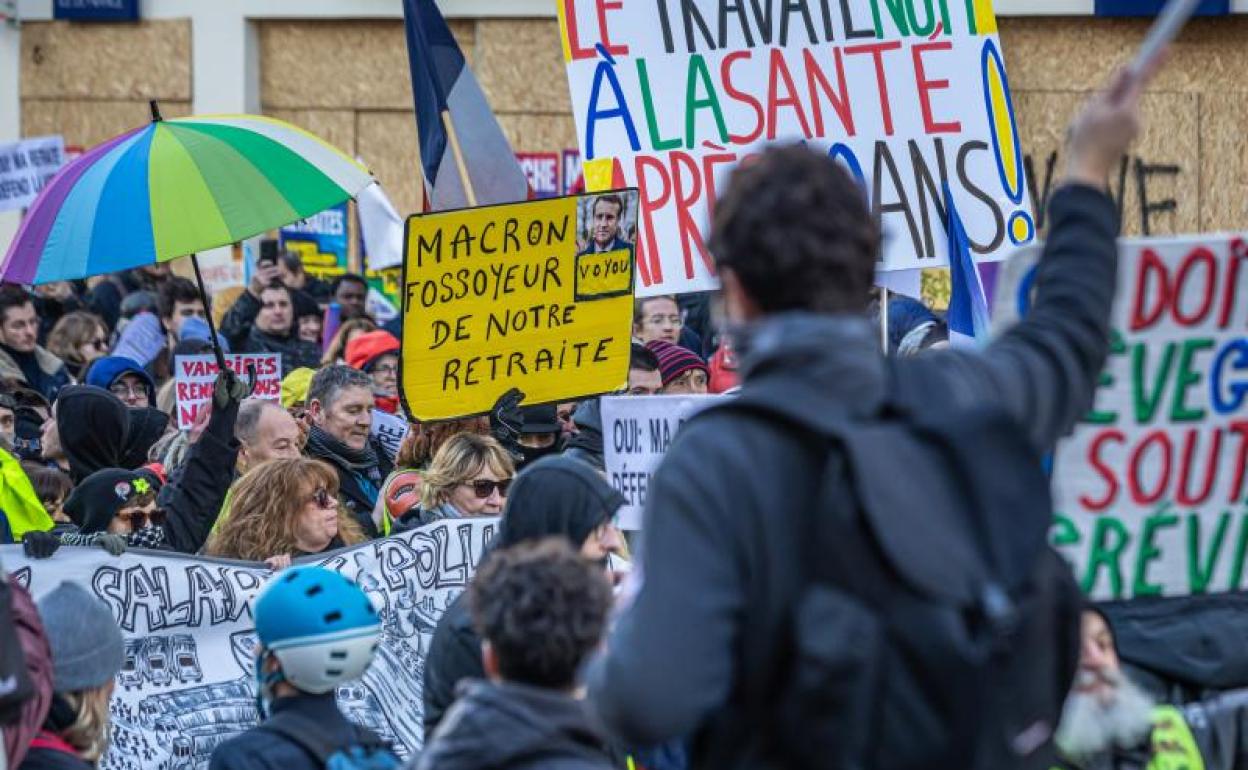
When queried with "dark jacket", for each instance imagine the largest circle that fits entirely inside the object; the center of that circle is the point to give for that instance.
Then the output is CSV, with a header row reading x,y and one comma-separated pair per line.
x,y
195,493
259,749
240,331
52,759
358,487
39,369
454,656
514,726
586,444
553,496
721,538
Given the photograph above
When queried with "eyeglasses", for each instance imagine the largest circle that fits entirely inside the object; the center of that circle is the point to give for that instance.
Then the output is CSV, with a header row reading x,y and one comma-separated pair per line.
x,y
386,369
99,344
323,499
483,488
140,519
121,390
659,320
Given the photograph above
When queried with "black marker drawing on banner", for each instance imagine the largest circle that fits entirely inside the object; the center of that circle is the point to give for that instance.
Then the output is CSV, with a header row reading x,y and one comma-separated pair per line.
x,y
187,680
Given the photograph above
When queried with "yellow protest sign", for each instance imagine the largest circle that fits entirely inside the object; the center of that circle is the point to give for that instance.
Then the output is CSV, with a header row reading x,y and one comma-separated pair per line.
x,y
535,295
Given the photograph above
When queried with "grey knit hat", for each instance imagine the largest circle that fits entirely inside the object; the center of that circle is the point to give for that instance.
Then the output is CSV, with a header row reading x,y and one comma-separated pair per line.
x,y
87,648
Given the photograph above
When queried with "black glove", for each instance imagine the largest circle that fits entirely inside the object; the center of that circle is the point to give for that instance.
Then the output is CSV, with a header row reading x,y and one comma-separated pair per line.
x,y
228,390
40,545
506,420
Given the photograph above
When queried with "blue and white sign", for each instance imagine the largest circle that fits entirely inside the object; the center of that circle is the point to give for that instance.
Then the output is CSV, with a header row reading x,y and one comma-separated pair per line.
x,y
96,10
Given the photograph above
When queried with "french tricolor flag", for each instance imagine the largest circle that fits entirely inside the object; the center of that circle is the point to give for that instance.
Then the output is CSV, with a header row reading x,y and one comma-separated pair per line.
x,y
449,99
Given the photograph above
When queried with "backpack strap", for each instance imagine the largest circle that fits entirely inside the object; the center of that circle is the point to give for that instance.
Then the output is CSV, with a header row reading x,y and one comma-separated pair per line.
x,y
311,735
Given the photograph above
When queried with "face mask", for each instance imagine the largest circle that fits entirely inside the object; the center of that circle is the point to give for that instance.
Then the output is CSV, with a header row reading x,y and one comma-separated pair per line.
x,y
147,537
531,455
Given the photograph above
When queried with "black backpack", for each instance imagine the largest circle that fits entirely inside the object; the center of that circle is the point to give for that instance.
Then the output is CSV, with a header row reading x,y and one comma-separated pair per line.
x,y
366,750
938,628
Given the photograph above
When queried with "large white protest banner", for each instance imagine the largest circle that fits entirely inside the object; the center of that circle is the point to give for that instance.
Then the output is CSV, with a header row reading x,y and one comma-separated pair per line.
x,y
25,167
1151,490
194,377
188,683
908,94
636,432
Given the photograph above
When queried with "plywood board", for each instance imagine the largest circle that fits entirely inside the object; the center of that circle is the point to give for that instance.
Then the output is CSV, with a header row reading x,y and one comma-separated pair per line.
x,y
147,60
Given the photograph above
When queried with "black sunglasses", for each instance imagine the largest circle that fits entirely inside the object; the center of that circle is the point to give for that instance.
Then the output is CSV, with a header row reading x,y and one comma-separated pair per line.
x,y
483,488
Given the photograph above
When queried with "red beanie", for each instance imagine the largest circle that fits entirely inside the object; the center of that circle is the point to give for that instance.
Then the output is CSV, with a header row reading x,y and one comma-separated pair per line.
x,y
674,360
364,350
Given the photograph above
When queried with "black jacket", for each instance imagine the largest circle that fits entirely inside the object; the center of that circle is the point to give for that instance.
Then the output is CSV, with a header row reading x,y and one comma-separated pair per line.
x,y
454,655
240,330
553,496
259,749
515,727
52,759
194,494
721,540
355,489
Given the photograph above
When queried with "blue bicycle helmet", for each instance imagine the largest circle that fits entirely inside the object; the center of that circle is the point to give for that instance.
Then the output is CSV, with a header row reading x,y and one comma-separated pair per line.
x,y
321,627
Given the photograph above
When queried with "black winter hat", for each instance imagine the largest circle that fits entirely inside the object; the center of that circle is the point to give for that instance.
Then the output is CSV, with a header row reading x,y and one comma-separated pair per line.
x,y
94,502
557,496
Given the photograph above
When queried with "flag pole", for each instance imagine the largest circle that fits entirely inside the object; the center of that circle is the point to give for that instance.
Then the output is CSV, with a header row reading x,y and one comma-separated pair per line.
x,y
453,139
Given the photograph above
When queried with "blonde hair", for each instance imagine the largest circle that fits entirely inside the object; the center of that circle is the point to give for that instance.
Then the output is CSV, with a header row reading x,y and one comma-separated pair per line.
x,y
265,506
73,331
338,345
89,734
459,460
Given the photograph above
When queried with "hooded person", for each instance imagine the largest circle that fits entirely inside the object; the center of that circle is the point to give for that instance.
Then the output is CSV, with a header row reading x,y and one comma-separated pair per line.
x,y
87,652
556,496
124,378
96,430
376,354
541,610
586,444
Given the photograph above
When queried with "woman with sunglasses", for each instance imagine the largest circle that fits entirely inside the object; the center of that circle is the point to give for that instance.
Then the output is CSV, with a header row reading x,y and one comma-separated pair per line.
x,y
78,339
284,509
114,508
469,476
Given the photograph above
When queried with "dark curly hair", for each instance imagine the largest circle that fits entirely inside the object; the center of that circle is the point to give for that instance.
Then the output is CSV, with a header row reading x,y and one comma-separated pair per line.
x,y
542,608
795,229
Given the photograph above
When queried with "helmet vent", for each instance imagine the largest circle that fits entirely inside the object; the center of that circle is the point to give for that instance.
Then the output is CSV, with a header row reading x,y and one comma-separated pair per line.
x,y
314,590
333,672
333,617
291,577
338,655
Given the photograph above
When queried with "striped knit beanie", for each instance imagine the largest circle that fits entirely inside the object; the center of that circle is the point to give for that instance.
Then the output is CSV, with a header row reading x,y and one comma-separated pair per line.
x,y
674,360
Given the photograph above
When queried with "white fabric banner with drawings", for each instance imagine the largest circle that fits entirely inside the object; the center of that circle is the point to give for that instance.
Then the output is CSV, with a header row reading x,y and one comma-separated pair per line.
x,y
187,682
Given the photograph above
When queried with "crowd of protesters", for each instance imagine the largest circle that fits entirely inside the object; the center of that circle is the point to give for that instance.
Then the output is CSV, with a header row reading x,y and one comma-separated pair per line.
x,y
708,653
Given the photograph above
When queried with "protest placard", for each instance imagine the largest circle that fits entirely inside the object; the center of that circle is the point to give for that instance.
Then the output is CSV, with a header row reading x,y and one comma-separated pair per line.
x,y
320,241
194,377
1150,492
25,167
535,295
542,171
668,96
636,432
389,430
187,683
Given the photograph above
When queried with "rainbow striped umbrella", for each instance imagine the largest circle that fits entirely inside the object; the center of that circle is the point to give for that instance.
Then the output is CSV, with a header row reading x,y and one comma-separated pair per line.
x,y
176,187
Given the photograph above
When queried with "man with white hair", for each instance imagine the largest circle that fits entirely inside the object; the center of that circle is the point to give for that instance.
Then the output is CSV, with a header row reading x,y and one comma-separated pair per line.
x,y
1110,723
